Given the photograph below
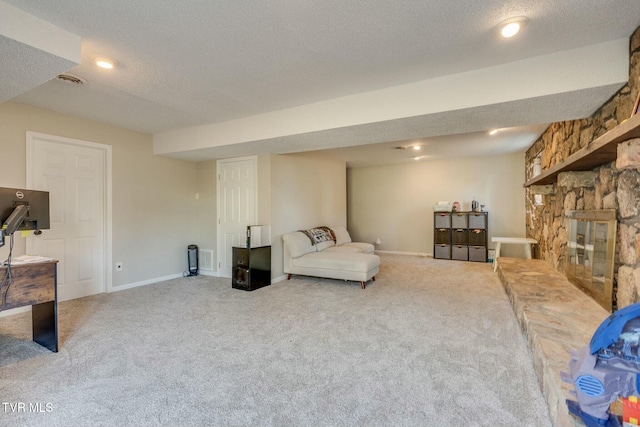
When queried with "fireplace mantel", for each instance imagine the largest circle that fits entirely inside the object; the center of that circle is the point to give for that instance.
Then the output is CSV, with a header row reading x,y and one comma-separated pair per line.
x,y
601,151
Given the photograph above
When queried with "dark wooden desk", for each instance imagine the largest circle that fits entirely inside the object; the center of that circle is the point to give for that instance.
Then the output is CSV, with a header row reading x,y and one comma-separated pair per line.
x,y
35,284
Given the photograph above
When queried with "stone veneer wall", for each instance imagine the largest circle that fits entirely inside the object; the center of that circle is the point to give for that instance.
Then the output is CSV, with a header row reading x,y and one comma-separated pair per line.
x,y
611,186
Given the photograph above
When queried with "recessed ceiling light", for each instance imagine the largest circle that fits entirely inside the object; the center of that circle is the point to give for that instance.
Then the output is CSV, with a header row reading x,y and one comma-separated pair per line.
x,y
417,148
511,27
106,63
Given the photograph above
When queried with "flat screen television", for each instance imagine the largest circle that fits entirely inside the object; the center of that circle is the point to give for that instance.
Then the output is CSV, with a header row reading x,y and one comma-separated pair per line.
x,y
14,200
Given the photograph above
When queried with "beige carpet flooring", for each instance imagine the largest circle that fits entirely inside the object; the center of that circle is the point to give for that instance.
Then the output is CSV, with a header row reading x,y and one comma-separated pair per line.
x,y
429,343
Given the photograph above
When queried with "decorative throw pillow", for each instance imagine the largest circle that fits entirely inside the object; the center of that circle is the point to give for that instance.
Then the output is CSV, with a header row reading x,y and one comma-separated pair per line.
x,y
319,234
298,244
341,233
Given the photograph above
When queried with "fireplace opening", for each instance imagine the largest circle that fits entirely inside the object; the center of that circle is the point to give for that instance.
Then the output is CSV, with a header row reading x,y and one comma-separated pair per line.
x,y
591,253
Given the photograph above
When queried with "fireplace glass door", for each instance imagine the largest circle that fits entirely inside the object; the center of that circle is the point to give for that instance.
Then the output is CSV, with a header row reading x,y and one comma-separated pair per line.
x,y
591,251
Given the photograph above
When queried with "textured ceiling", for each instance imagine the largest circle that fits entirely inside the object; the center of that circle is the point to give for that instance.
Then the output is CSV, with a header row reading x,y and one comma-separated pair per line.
x,y
197,62
32,51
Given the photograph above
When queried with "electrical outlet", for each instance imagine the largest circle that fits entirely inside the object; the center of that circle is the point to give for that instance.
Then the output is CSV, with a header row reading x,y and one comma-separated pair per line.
x,y
118,266
378,241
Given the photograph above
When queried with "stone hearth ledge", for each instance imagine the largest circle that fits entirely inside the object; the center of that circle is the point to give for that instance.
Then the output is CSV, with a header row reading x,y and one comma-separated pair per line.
x,y
556,317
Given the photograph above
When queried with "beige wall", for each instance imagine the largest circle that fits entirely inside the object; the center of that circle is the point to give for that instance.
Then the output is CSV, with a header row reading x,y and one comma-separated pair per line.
x,y
307,190
264,189
154,210
394,202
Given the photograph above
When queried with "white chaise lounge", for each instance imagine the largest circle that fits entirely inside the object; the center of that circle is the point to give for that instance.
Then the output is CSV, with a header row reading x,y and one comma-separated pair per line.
x,y
333,259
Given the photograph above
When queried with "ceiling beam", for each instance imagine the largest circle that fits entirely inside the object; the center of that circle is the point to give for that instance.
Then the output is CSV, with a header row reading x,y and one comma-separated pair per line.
x,y
600,68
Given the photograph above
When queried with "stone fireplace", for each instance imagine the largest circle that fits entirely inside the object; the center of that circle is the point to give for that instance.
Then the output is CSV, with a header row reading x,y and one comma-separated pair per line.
x,y
613,185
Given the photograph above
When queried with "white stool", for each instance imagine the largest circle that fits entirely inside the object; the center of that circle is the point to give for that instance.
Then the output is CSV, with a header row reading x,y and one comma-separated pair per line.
x,y
527,242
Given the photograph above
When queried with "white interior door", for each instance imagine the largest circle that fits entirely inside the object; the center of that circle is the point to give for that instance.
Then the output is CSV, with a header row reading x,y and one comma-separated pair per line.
x,y
74,174
236,206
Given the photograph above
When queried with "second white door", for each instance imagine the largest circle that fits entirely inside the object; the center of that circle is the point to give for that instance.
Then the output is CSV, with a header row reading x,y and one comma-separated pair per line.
x,y
236,206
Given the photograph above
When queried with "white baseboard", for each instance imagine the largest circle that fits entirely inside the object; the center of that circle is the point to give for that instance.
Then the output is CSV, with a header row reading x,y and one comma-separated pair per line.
x,y
161,279
143,283
209,273
278,279
406,253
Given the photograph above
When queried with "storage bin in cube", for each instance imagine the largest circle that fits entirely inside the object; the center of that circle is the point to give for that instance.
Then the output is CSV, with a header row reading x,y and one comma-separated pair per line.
x,y
443,236
442,252
478,253
478,220
477,237
442,220
460,253
460,236
459,220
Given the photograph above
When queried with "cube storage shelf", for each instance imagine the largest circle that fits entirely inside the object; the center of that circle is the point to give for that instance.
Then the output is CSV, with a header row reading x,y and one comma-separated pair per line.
x,y
460,235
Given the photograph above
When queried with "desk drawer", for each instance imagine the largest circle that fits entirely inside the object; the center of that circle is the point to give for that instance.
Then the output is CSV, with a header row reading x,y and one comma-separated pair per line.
x,y
31,284
241,277
240,257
